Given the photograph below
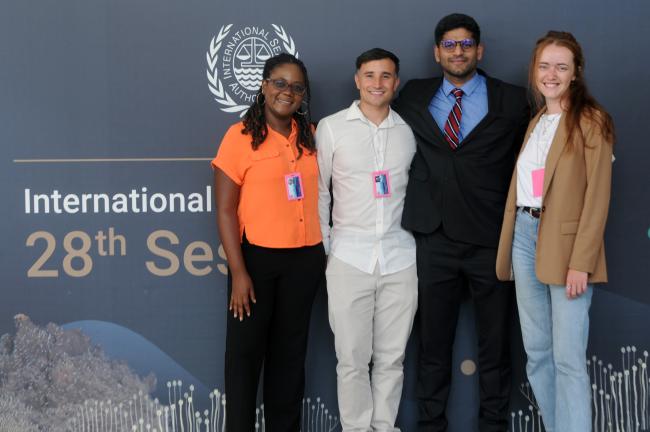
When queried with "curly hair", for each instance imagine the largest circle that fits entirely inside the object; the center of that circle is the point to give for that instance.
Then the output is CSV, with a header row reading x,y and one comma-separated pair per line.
x,y
255,119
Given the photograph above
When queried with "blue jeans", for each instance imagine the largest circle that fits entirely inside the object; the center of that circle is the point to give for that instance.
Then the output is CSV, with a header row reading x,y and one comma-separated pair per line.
x,y
555,332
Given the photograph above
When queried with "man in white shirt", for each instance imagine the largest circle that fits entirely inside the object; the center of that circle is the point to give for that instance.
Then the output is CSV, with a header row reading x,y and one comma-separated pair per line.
x,y
364,154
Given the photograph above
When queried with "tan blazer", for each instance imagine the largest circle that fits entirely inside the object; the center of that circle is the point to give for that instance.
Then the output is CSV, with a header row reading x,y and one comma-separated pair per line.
x,y
575,203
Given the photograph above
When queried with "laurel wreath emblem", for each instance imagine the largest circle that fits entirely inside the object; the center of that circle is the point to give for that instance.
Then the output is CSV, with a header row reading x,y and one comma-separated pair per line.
x,y
212,56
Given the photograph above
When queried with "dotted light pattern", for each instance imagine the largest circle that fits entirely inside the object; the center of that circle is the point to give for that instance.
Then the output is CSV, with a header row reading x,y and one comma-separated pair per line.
x,y
468,367
181,415
620,399
56,380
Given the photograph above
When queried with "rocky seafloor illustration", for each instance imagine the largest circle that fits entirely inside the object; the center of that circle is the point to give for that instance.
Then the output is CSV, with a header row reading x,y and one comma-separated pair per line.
x,y
48,376
56,380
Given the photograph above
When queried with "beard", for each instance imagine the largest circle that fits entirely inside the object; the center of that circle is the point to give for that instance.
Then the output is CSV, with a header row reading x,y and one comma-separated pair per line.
x,y
463,72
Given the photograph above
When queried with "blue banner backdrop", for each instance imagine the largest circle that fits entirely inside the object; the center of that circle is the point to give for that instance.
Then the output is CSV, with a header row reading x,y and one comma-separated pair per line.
x,y
109,115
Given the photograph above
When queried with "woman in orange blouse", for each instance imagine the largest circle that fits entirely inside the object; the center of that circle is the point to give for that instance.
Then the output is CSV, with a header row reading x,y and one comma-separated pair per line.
x,y
266,186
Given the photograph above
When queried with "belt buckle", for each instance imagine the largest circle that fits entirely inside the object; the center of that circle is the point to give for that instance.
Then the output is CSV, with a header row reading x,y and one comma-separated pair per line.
x,y
534,212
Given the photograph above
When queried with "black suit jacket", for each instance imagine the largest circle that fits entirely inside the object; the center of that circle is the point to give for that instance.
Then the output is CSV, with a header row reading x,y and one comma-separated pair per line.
x,y
463,190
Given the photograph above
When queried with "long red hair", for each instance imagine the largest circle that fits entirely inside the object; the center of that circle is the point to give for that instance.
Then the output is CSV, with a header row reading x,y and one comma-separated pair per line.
x,y
579,102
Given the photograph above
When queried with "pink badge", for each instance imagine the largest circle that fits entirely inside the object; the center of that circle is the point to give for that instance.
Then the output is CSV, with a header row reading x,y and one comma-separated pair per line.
x,y
538,182
293,183
381,184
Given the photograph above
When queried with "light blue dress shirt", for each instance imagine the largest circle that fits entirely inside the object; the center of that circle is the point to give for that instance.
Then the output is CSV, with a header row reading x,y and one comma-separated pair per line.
x,y
474,104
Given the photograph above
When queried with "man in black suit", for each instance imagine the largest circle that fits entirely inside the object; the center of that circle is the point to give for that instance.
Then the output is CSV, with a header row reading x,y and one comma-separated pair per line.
x,y
468,128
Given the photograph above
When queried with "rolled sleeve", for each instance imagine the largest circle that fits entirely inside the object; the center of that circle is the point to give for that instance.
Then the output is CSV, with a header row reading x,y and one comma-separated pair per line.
x,y
232,156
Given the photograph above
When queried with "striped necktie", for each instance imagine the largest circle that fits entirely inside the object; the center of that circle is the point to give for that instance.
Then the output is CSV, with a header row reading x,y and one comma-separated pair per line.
x,y
452,126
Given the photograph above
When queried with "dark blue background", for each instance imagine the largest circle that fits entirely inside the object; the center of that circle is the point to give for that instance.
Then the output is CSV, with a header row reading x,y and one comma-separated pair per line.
x,y
95,79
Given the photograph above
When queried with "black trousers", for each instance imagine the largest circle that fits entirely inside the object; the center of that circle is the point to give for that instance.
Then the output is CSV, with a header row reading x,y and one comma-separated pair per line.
x,y
442,263
285,283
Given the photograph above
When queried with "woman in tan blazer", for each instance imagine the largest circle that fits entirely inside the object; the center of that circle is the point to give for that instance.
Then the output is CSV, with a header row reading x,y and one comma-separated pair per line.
x,y
552,235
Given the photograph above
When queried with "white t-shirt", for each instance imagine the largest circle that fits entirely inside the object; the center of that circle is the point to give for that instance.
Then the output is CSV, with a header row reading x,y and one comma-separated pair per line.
x,y
533,158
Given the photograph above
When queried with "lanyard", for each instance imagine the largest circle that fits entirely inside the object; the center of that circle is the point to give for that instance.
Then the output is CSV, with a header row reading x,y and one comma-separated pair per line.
x,y
379,154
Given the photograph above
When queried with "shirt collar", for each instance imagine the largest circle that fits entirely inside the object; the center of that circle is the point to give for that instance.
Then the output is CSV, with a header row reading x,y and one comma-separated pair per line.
x,y
468,88
292,135
355,113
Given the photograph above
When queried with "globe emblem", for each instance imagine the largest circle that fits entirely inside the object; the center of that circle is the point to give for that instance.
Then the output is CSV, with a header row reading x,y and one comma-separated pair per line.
x,y
249,60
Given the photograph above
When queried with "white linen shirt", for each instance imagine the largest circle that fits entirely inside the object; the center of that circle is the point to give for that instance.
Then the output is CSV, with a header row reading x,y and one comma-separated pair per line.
x,y
365,230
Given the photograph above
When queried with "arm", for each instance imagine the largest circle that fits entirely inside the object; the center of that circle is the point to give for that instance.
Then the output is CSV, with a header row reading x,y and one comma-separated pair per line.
x,y
227,199
324,156
591,227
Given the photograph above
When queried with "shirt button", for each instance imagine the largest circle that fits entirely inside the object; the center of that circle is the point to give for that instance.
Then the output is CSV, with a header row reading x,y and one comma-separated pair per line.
x,y
292,161
300,220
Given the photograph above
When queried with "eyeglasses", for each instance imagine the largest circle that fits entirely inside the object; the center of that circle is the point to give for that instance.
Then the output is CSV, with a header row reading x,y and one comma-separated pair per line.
x,y
450,44
280,84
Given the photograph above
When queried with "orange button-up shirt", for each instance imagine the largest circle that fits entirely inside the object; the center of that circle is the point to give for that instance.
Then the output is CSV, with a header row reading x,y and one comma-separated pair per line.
x,y
269,218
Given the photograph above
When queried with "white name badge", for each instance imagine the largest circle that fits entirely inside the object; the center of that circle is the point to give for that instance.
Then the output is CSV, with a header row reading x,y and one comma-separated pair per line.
x,y
381,184
293,183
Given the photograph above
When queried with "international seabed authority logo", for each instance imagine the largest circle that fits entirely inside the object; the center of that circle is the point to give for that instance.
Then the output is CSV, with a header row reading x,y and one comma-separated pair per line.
x,y
236,61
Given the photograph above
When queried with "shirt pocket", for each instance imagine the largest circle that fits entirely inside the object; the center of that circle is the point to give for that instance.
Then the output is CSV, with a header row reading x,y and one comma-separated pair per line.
x,y
308,165
266,164
259,155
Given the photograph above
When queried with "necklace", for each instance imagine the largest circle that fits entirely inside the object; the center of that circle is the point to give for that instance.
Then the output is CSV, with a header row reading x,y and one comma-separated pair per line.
x,y
547,121
547,127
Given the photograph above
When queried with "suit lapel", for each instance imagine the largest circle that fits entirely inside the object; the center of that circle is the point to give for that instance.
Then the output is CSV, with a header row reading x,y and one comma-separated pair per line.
x,y
494,102
494,95
425,115
557,147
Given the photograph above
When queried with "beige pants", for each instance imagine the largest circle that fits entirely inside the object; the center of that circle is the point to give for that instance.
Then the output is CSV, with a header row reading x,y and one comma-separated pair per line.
x,y
371,316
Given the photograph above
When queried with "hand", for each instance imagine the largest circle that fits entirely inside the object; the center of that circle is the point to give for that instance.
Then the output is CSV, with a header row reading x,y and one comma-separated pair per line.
x,y
576,284
242,295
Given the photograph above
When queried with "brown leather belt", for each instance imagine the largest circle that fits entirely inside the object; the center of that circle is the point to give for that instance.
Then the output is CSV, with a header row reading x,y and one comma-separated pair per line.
x,y
535,212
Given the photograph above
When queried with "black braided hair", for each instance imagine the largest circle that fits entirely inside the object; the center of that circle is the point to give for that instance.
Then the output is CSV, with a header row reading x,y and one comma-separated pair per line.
x,y
255,121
